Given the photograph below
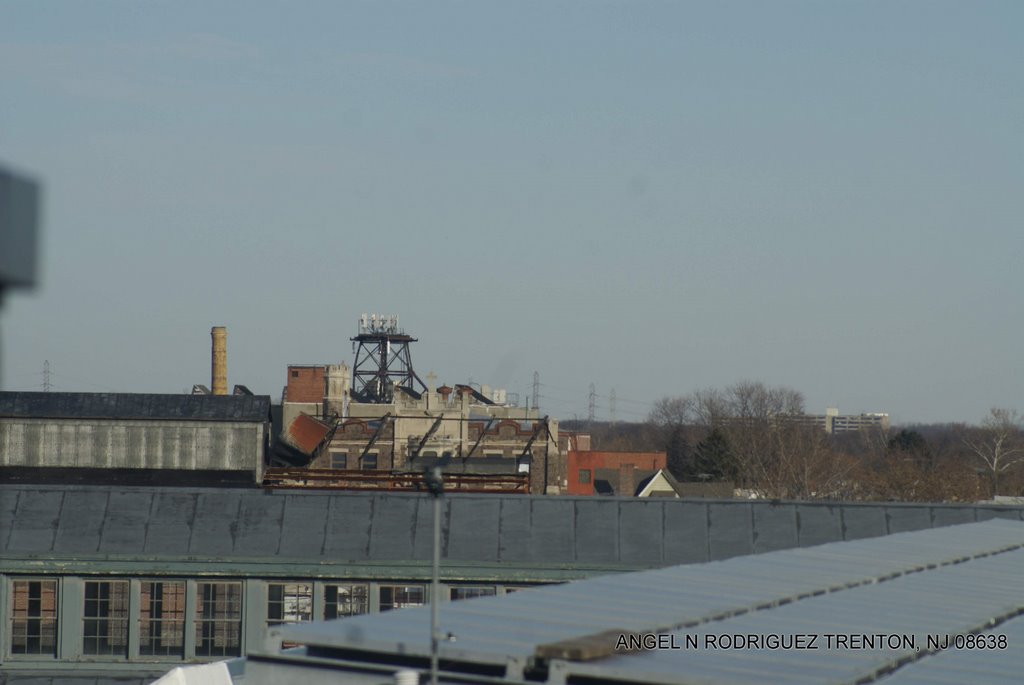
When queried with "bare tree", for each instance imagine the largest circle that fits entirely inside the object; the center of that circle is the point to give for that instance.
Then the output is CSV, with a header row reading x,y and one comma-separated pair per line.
x,y
671,412
670,418
997,443
807,467
710,408
755,400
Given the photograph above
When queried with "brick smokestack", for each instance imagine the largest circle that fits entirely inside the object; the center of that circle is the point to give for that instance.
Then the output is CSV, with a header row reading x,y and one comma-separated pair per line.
x,y
219,363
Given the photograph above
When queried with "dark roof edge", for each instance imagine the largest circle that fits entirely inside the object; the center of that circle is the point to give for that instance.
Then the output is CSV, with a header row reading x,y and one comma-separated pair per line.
x,y
134,406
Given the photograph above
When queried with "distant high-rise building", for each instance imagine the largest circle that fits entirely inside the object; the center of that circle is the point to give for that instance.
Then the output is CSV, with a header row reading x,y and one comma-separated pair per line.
x,y
832,422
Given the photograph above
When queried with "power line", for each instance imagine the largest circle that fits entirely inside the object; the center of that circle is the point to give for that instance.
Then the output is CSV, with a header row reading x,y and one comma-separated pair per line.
x,y
79,381
629,401
646,403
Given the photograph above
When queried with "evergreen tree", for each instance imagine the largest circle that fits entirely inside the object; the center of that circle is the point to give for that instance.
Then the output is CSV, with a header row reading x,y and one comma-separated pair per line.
x,y
713,459
678,452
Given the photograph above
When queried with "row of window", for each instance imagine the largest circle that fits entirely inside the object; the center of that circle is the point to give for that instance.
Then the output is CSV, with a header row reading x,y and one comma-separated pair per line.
x,y
105,618
368,461
162,613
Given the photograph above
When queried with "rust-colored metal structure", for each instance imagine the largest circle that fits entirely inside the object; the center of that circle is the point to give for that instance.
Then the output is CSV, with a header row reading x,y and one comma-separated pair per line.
x,y
338,479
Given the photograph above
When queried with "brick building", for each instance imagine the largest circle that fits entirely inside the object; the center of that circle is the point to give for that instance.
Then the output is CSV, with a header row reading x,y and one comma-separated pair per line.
x,y
483,436
610,473
305,383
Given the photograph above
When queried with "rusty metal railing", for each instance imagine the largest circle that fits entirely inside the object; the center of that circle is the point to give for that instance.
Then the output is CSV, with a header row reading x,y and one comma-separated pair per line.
x,y
343,479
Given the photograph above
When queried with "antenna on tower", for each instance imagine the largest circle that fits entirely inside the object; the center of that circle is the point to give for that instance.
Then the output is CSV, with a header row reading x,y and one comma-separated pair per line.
x,y
383,360
536,390
46,375
593,403
611,407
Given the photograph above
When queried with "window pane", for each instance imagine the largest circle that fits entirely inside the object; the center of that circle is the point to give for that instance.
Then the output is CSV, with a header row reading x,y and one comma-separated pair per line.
x,y
289,603
162,619
34,617
105,618
401,596
346,600
219,619
458,593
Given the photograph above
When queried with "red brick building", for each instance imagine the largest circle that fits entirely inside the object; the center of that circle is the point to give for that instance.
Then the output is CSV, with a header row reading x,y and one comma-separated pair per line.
x,y
305,383
610,473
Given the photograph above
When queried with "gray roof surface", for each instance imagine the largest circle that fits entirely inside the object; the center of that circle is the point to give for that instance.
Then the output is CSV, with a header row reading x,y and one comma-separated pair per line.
x,y
958,666
953,580
92,405
240,523
324,528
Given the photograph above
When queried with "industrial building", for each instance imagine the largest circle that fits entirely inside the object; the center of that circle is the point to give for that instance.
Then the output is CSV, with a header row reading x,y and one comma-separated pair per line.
x,y
204,438
380,416
61,437
104,582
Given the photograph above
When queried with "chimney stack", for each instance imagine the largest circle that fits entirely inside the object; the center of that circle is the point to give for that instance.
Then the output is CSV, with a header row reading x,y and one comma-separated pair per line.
x,y
219,366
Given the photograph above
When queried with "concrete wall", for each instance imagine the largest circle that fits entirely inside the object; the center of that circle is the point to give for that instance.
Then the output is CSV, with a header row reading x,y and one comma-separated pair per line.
x,y
93,443
291,410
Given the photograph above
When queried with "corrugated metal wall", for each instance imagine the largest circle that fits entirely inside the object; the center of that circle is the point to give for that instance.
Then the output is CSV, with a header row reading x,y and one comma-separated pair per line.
x,y
234,446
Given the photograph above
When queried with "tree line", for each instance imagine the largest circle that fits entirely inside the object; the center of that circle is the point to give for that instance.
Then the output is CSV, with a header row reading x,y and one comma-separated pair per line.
x,y
756,437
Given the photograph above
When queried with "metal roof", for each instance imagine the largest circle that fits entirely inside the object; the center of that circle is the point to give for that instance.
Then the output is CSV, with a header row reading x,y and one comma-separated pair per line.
x,y
955,580
330,532
88,528
305,434
92,405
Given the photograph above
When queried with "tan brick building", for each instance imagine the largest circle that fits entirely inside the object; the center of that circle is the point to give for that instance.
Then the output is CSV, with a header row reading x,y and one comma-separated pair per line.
x,y
480,435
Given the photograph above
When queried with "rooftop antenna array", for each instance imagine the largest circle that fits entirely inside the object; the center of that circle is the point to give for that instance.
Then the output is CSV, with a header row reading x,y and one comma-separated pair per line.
x,y
383,360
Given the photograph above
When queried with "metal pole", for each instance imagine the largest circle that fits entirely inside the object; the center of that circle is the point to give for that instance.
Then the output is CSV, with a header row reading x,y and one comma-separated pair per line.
x,y
435,591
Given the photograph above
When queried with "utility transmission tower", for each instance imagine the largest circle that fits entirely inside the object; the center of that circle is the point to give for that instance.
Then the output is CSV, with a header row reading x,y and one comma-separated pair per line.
x,y
593,403
536,390
611,407
46,375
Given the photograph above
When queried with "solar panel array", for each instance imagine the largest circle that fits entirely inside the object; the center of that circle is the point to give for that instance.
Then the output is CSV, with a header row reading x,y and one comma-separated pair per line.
x,y
896,590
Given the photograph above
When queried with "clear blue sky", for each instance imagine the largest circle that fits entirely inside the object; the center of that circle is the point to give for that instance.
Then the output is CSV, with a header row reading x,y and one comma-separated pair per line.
x,y
654,197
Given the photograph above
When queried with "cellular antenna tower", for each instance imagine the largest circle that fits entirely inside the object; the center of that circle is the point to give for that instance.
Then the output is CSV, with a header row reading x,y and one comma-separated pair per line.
x,y
382,360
